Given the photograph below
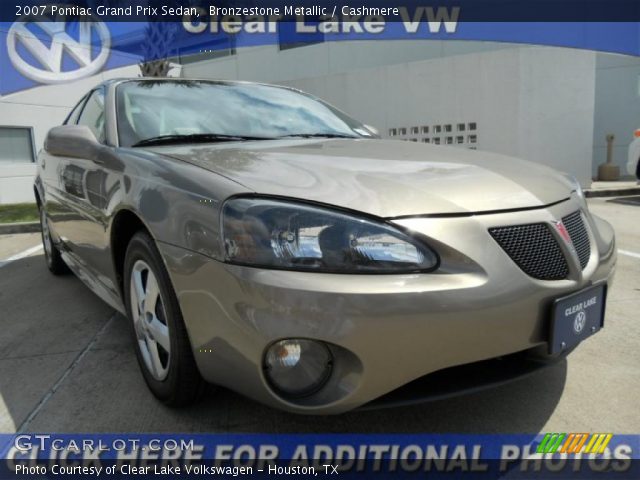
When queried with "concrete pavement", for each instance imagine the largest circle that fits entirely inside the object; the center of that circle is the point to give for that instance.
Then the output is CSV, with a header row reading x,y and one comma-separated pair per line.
x,y
67,364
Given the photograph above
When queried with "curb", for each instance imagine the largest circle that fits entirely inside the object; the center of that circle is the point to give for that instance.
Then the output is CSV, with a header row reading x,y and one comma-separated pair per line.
x,y
22,227
613,192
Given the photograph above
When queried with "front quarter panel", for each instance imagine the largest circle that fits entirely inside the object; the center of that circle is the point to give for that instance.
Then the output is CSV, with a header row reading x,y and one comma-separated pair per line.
x,y
178,203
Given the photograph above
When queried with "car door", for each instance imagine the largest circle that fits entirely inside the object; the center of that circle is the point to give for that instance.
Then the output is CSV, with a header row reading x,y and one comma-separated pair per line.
x,y
80,223
51,169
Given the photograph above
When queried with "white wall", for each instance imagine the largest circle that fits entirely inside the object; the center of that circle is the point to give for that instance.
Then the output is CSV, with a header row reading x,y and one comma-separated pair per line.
x,y
270,64
16,182
531,102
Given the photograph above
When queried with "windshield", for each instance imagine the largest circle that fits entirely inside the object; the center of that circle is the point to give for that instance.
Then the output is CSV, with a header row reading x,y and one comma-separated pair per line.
x,y
151,109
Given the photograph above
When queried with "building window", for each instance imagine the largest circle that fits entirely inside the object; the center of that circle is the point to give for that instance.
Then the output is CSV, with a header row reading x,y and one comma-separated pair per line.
x,y
448,128
461,127
425,130
459,139
403,131
473,139
415,130
436,141
449,140
393,132
16,145
437,129
426,140
473,126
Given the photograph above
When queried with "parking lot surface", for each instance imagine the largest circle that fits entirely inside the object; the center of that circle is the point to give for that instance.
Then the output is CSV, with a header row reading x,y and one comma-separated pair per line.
x,y
67,365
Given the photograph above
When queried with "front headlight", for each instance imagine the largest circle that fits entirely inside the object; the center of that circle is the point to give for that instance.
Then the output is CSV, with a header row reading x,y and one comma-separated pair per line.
x,y
295,236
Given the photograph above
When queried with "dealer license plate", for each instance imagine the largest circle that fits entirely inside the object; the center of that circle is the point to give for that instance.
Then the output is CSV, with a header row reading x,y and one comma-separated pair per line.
x,y
576,317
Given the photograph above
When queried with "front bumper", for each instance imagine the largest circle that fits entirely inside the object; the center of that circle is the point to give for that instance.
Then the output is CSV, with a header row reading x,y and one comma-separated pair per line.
x,y
384,330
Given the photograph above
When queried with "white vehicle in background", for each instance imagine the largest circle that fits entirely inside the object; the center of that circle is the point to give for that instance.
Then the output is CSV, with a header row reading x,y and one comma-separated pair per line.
x,y
633,164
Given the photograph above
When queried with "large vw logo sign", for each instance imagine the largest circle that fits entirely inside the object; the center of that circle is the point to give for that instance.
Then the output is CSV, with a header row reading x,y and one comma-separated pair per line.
x,y
48,52
579,322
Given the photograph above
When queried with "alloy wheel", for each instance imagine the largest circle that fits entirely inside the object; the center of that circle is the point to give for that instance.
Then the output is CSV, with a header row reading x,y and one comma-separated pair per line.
x,y
149,320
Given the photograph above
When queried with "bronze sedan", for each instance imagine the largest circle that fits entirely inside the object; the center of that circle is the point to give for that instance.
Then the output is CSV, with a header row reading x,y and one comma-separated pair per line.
x,y
260,239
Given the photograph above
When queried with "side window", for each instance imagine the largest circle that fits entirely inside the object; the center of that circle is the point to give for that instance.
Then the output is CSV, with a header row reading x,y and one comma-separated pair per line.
x,y
93,114
72,118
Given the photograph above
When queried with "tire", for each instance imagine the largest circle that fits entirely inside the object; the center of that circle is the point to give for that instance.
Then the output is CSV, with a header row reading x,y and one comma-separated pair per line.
x,y
52,256
160,337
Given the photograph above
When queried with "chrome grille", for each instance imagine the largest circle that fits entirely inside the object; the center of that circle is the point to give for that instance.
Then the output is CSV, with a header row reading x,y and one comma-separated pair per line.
x,y
534,249
579,236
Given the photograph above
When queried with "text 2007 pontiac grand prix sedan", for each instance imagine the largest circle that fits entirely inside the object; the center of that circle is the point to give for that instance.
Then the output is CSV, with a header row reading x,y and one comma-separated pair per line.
x,y
260,239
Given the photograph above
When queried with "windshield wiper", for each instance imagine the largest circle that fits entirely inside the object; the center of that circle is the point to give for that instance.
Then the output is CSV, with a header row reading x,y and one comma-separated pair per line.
x,y
320,135
194,137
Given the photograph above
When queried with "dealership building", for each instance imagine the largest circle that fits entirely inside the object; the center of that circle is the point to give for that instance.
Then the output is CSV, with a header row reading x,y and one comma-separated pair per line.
x,y
549,105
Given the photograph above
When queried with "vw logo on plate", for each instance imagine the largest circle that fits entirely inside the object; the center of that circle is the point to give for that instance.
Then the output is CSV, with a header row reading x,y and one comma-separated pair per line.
x,y
47,47
579,322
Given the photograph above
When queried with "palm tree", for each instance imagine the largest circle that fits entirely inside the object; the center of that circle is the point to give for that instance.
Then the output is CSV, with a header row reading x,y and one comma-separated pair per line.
x,y
157,44
156,49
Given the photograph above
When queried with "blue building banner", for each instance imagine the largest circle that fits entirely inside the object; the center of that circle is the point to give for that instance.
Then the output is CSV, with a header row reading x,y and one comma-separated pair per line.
x,y
49,43
552,455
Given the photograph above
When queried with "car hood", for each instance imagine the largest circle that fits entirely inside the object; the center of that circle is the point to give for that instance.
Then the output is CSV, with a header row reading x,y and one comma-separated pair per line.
x,y
385,178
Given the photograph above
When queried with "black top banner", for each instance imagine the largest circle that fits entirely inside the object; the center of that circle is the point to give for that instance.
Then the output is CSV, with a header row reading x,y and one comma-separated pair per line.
x,y
344,10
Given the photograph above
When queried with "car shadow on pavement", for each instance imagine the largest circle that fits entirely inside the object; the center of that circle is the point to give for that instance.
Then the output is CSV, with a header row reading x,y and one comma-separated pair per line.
x,y
67,364
524,405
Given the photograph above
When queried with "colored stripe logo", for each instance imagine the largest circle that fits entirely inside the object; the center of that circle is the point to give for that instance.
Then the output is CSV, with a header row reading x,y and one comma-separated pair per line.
x,y
574,443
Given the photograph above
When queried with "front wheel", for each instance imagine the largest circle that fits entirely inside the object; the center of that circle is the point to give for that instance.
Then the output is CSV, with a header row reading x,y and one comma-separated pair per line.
x,y
161,342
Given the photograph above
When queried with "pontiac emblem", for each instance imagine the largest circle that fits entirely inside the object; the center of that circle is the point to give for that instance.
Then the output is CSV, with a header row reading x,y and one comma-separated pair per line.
x,y
564,233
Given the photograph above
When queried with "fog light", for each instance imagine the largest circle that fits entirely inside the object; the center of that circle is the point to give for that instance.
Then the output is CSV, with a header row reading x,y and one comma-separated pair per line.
x,y
298,367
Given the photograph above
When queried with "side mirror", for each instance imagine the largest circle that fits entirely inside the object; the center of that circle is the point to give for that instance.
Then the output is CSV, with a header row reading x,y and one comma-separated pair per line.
x,y
77,141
